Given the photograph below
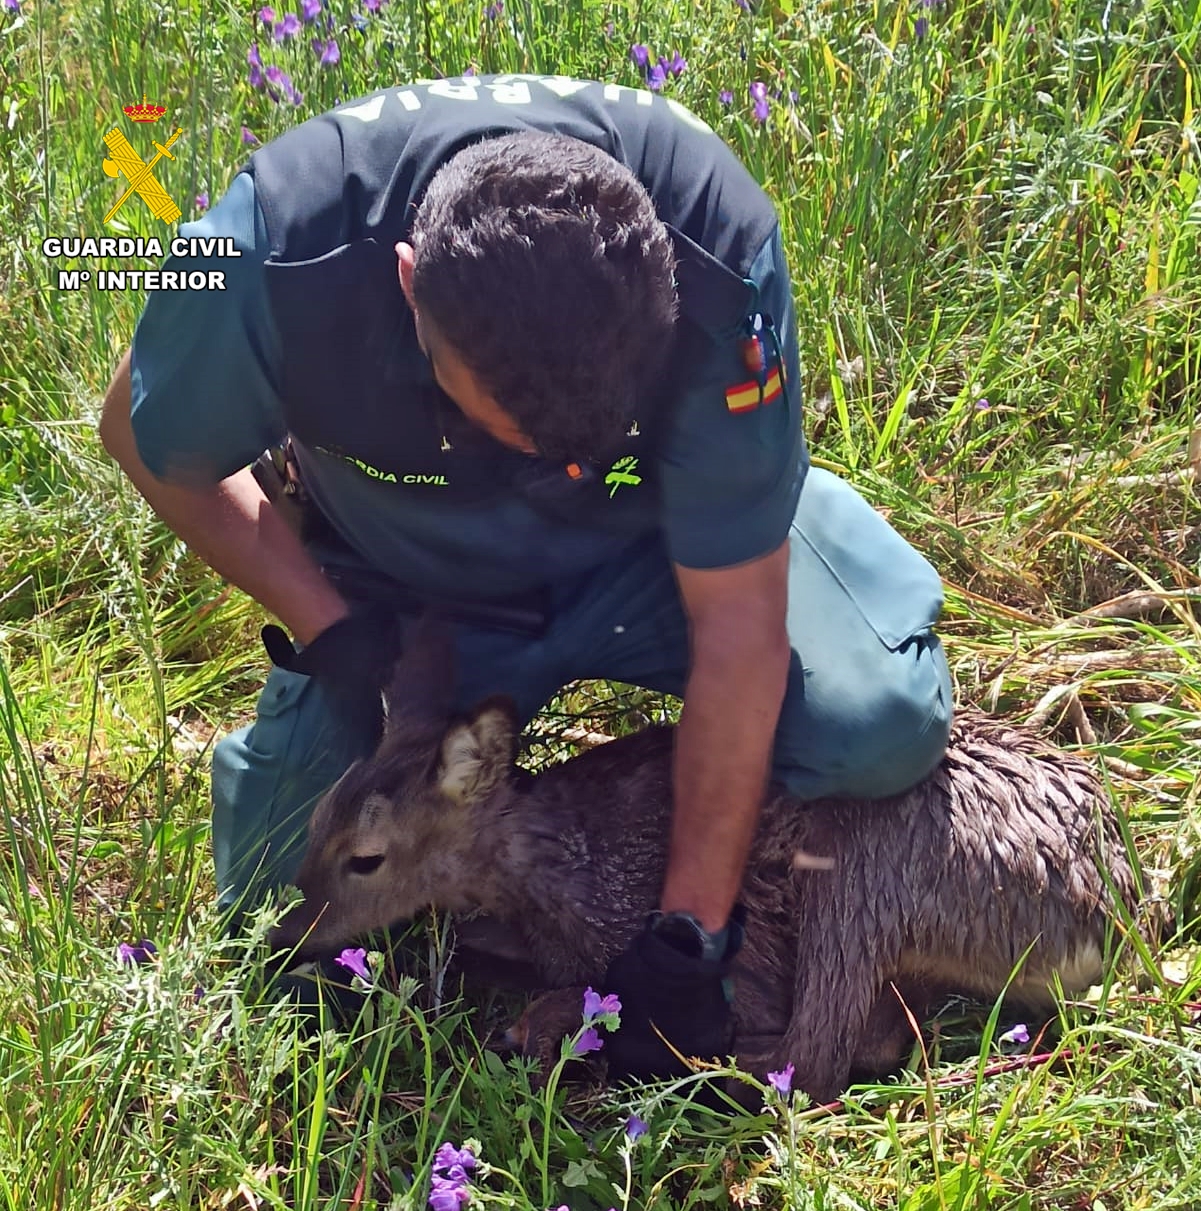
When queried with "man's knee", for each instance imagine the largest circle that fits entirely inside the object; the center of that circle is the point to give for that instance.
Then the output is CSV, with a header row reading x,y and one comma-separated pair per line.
x,y
873,740
266,780
913,729
258,833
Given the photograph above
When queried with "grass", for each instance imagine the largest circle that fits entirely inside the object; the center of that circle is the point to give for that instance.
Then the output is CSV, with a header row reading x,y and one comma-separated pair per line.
x,y
993,231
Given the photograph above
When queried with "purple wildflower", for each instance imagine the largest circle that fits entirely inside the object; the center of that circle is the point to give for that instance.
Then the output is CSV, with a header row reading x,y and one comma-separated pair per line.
x,y
13,6
588,1041
595,1004
447,1195
256,66
249,138
1019,1034
311,9
639,55
327,52
781,1081
289,27
982,404
493,11
921,27
448,1156
656,77
726,97
354,959
372,6
358,21
449,1186
468,72
456,1175
202,201
129,954
678,64
635,1127
610,29
267,16
758,92
745,5
276,75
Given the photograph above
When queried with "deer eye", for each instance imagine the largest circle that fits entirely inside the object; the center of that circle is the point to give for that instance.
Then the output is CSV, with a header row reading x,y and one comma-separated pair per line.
x,y
365,864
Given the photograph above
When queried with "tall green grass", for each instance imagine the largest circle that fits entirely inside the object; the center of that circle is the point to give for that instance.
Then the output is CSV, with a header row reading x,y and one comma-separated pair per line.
x,y
992,225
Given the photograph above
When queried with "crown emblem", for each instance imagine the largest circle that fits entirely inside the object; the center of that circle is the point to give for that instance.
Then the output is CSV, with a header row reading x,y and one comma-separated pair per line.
x,y
145,112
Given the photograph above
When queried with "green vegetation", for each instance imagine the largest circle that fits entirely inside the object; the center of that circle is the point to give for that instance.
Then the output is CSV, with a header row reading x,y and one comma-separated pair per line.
x,y
992,210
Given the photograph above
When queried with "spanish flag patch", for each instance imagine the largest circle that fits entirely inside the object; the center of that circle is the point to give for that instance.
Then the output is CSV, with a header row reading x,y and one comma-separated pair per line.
x,y
746,397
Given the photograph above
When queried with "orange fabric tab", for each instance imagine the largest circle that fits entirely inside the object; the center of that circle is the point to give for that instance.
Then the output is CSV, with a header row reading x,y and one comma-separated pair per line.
x,y
752,354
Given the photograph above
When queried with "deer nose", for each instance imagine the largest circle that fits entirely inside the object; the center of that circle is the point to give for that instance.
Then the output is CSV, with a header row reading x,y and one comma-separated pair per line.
x,y
286,941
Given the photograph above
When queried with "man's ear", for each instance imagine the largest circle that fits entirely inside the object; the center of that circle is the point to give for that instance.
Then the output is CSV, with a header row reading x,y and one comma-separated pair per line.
x,y
404,267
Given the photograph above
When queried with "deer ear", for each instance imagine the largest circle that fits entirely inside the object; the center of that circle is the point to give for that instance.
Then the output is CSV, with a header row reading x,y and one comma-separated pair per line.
x,y
478,753
419,691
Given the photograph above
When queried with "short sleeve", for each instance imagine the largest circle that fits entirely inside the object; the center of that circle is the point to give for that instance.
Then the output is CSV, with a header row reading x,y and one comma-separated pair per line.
x,y
734,458
206,363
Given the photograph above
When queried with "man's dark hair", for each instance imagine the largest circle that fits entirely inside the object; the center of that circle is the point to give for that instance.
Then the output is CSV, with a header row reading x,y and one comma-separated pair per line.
x,y
541,260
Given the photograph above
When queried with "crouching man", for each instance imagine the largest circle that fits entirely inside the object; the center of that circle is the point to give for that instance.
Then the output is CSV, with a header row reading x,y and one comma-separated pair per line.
x,y
530,343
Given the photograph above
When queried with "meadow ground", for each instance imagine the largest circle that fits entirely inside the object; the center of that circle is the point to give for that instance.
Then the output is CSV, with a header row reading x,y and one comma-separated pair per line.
x,y
992,211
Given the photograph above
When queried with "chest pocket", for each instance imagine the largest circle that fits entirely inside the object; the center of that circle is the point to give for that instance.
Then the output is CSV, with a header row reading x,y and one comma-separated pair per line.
x,y
620,495
356,384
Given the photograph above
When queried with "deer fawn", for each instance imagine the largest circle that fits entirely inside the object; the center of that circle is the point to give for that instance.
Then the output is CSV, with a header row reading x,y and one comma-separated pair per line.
x,y
1010,848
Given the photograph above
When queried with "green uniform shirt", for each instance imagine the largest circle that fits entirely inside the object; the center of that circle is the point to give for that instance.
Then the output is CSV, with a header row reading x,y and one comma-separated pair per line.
x,y
207,382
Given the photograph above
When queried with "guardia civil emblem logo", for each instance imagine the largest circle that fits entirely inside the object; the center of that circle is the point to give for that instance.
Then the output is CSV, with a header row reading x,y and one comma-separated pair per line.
x,y
124,161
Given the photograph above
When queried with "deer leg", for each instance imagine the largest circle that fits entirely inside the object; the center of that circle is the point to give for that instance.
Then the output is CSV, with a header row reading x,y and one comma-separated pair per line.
x,y
885,1040
491,953
888,1034
843,954
757,1054
539,1033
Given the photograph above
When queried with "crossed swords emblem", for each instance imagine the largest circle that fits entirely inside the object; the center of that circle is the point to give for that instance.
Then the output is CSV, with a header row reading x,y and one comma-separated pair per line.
x,y
140,175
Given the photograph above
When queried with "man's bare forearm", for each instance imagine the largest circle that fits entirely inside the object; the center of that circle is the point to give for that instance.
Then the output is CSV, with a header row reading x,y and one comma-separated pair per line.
x,y
231,526
722,760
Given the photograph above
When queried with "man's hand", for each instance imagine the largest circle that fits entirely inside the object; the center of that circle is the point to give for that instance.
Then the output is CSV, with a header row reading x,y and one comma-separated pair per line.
x,y
351,660
672,980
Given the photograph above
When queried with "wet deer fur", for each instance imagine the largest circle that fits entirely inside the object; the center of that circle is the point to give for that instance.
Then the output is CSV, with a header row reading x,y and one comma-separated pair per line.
x,y
1009,846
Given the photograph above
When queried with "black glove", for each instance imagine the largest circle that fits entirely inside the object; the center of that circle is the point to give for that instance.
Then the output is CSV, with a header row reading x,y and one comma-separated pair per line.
x,y
663,980
351,661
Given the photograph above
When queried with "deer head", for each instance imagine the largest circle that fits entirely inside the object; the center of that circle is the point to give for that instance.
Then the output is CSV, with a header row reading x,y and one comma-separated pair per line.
x,y
396,833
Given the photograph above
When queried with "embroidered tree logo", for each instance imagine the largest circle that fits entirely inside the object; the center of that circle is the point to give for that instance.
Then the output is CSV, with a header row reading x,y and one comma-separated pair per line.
x,y
622,472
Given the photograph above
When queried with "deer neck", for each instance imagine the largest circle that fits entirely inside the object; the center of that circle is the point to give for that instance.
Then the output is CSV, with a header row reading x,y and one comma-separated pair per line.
x,y
530,879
